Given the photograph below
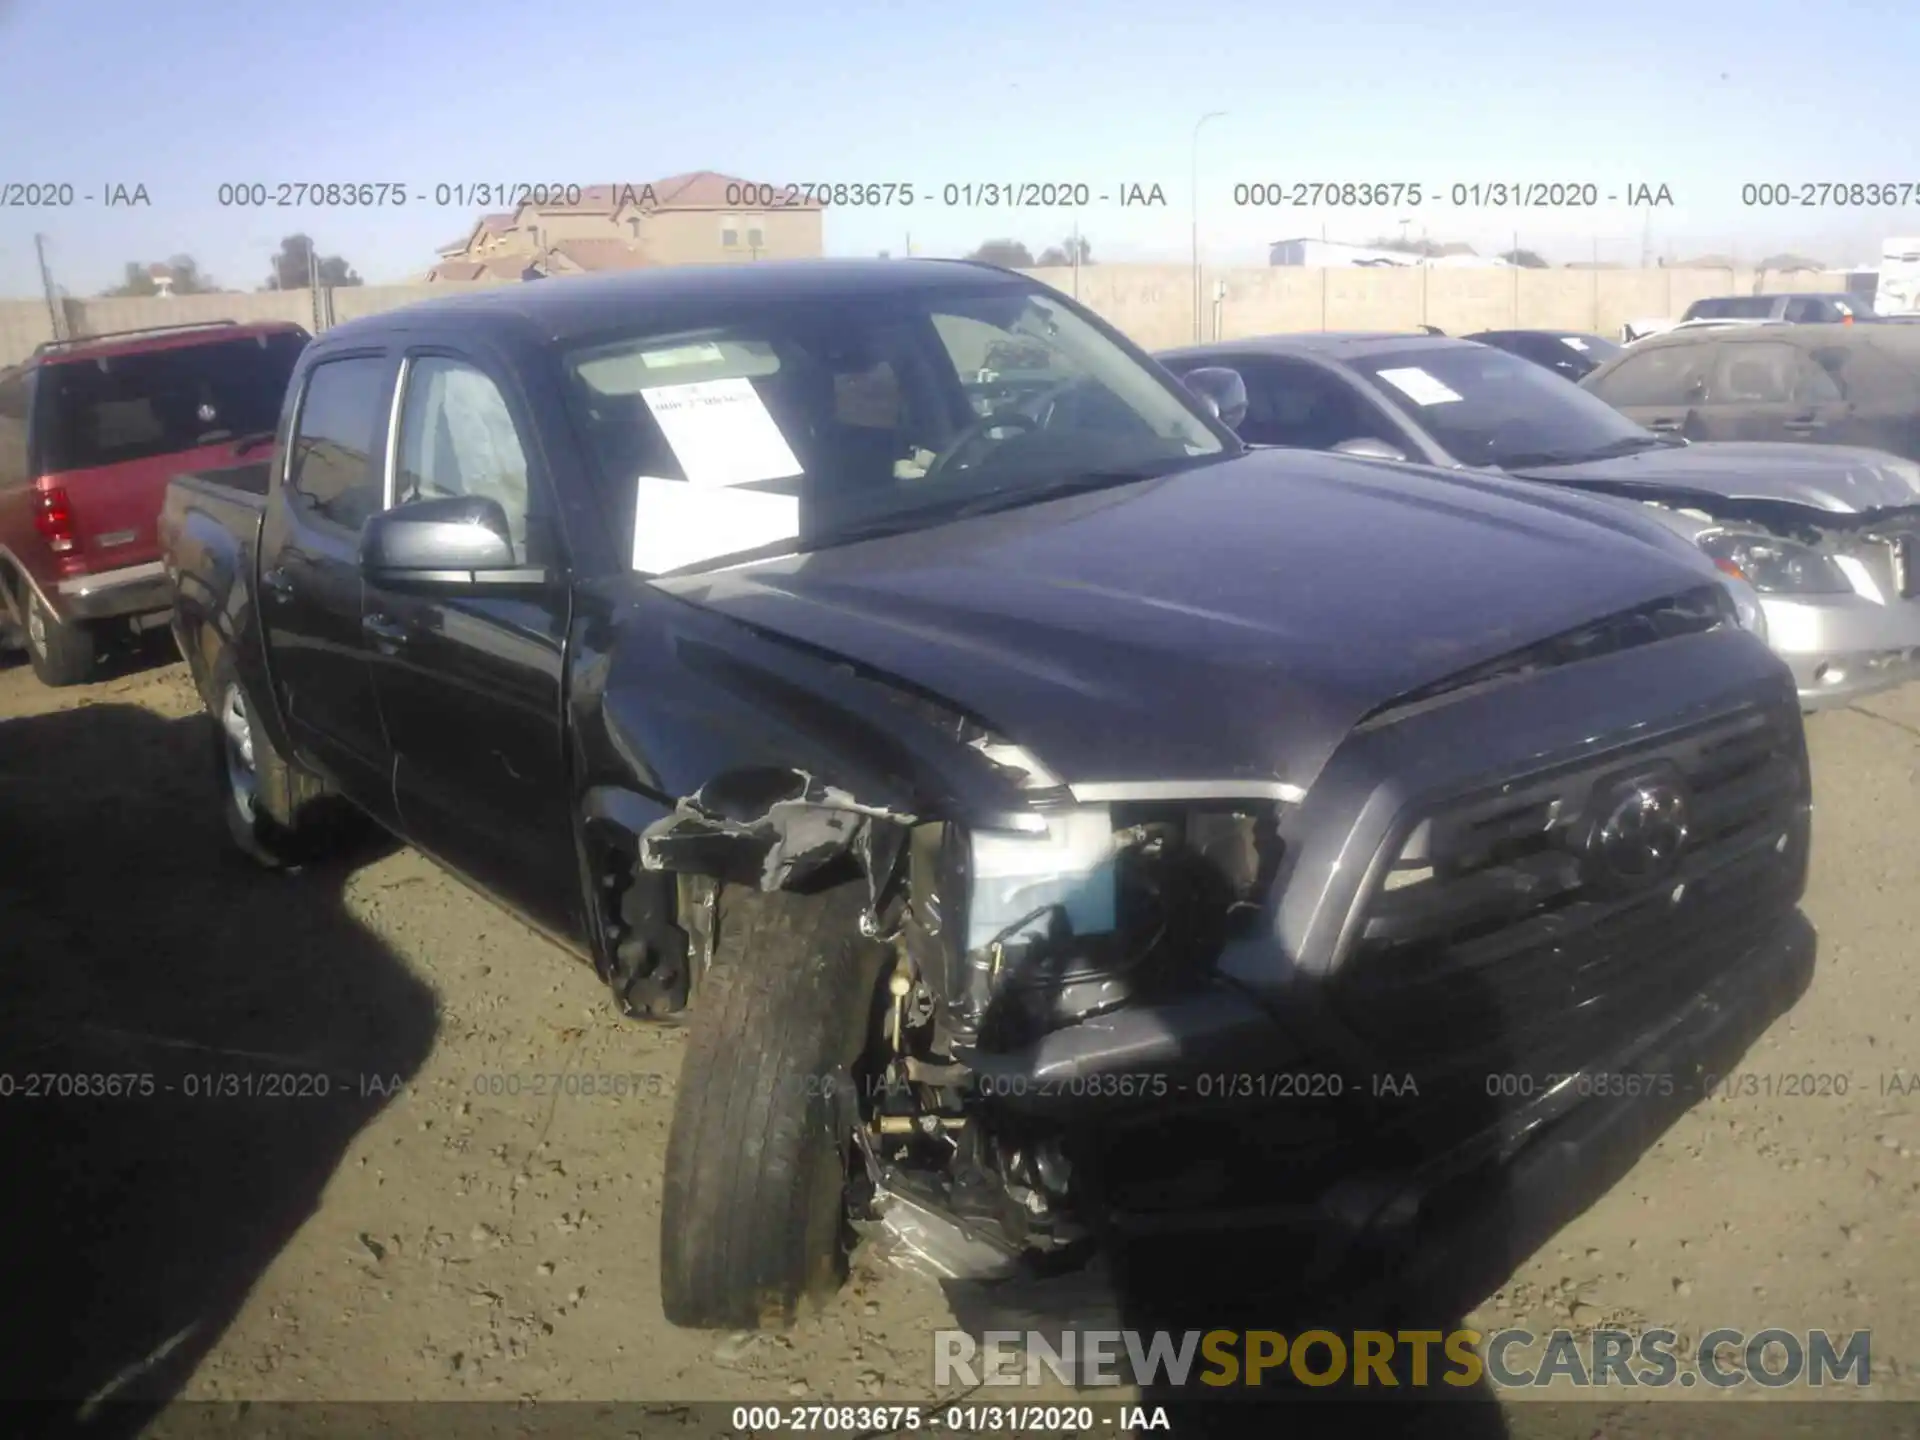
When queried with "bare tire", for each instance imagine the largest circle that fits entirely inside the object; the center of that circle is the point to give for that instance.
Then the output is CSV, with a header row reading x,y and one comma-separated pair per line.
x,y
62,654
255,780
753,1211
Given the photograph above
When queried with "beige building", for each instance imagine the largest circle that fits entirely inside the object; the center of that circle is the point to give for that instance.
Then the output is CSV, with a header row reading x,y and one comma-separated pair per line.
x,y
696,218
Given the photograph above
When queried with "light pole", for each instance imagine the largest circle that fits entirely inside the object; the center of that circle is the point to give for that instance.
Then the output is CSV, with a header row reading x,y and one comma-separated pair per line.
x,y
1210,115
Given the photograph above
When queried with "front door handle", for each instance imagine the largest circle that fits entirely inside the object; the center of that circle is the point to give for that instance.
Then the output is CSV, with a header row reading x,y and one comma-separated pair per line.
x,y
384,630
1664,427
278,583
1802,424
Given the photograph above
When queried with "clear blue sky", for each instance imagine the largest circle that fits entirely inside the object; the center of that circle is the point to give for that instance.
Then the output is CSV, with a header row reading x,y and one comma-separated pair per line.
x,y
1697,96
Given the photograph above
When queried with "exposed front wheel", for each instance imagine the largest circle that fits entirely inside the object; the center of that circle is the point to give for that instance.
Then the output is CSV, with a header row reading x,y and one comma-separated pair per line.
x,y
753,1216
62,654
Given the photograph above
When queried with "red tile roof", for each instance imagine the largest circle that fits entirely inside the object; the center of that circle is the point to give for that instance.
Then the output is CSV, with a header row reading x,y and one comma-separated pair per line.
x,y
600,253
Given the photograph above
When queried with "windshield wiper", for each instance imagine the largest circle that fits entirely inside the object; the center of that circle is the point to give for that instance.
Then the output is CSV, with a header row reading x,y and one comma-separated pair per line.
x,y
1625,445
1006,497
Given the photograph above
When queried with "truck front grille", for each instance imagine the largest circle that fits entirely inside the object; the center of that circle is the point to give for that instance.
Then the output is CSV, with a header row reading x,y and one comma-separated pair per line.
x,y
1516,930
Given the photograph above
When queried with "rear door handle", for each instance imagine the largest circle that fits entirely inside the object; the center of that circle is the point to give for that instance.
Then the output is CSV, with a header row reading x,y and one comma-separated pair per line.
x,y
385,631
1664,427
1803,422
278,583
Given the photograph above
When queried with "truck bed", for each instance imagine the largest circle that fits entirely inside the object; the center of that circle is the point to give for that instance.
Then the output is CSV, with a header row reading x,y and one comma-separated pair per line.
x,y
209,530
251,478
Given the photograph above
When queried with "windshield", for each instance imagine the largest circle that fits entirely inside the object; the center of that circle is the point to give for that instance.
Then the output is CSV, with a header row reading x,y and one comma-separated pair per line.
x,y
1486,407
117,408
760,429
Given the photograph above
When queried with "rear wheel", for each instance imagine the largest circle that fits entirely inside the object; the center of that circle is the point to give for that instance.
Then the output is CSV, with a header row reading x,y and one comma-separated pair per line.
x,y
255,780
62,654
754,1208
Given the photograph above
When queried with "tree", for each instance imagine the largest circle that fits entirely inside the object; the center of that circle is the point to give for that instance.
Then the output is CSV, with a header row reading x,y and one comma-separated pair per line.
x,y
1061,255
1525,259
1010,254
290,267
182,270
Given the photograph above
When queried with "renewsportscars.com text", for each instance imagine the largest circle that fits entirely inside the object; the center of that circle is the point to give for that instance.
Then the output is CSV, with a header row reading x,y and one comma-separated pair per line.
x,y
1503,1359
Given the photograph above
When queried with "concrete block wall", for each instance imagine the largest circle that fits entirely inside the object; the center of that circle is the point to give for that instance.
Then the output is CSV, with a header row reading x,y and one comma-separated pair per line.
x,y
1154,303
1151,303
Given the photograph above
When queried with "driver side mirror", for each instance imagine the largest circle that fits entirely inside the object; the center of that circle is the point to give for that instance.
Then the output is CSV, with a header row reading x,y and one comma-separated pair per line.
x,y
1368,449
1223,390
454,541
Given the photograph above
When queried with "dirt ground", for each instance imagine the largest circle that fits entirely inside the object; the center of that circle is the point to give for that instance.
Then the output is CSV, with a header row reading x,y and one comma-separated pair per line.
x,y
430,1229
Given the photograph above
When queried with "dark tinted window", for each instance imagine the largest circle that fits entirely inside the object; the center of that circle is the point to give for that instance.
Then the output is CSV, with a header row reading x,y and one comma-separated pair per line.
x,y
160,402
1293,403
1517,342
1673,375
1732,307
333,466
1817,310
13,430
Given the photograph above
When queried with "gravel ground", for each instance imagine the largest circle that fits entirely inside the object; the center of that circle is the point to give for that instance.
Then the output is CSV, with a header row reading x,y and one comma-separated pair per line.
x,y
420,1231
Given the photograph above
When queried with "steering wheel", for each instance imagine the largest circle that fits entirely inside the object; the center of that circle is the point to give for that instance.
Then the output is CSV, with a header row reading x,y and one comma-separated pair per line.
x,y
971,437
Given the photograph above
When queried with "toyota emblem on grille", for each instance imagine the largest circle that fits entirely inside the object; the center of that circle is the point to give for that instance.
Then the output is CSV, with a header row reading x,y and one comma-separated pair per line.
x,y
1639,836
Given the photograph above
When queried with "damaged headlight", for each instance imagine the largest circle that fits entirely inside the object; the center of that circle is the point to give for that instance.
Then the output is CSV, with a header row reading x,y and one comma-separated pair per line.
x,y
1019,882
1774,566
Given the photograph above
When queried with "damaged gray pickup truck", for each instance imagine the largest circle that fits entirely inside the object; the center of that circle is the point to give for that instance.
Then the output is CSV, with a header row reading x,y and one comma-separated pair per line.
x,y
1055,822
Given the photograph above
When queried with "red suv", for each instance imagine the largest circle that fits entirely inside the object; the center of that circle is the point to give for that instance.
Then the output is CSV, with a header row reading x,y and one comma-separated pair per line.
x,y
91,430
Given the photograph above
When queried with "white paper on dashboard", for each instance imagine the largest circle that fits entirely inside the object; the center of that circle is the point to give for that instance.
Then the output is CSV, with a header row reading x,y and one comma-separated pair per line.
x,y
1418,386
675,523
721,432
1573,342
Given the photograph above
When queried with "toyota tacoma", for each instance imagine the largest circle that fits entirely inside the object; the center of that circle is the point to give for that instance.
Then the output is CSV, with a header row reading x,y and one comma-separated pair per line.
x,y
1053,820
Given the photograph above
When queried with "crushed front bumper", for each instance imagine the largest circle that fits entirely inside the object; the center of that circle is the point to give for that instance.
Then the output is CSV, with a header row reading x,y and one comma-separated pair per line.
x,y
1534,1155
1844,647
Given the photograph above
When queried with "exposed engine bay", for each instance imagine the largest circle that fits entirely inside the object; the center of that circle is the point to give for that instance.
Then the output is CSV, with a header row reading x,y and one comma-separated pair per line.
x,y
996,938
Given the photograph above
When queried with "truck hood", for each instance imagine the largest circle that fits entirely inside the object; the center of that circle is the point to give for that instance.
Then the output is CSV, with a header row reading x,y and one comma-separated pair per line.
x,y
1230,623
1836,478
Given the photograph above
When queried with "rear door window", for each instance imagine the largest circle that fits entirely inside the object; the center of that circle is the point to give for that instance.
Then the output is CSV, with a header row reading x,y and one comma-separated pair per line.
x,y
1755,374
1813,383
117,408
332,469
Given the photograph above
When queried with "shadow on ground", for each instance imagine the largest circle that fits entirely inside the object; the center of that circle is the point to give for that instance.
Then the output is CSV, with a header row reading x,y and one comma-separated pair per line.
x,y
122,653
1424,1273
243,1025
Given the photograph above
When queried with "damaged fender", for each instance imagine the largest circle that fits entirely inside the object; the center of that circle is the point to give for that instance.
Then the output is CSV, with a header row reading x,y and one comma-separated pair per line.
x,y
774,829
